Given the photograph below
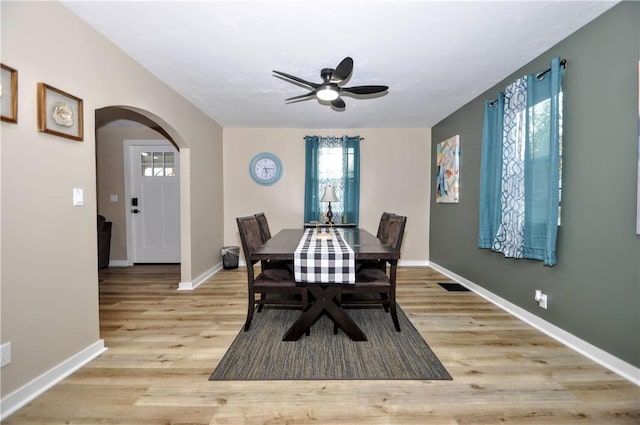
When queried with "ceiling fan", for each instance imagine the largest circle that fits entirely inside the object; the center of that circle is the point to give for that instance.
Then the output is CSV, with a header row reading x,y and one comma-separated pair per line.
x,y
329,90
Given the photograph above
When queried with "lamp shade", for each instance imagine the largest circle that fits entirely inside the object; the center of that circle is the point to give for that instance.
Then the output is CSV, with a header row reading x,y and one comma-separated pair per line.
x,y
329,195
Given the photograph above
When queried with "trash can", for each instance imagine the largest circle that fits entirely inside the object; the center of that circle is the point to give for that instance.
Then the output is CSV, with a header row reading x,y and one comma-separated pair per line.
x,y
230,256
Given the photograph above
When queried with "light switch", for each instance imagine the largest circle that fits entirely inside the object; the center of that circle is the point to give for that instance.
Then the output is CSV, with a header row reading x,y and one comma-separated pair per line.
x,y
113,197
78,197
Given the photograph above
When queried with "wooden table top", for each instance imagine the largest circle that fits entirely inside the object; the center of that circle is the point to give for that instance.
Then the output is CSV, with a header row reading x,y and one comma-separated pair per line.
x,y
365,245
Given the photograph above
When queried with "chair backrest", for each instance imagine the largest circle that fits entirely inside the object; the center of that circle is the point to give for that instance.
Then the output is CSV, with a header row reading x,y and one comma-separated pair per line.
x,y
264,226
395,231
382,227
250,236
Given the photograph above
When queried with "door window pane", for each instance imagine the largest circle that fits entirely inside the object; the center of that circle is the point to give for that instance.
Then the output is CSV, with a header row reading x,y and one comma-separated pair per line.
x,y
158,164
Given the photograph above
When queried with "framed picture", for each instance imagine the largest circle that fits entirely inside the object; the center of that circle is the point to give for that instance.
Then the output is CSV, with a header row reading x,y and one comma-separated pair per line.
x,y
59,113
448,171
9,94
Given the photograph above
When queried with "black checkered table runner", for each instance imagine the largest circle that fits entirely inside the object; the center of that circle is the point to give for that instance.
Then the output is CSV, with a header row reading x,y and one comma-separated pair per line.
x,y
324,258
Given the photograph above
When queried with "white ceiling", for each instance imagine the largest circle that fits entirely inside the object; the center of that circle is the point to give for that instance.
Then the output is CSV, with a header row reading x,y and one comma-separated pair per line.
x,y
435,56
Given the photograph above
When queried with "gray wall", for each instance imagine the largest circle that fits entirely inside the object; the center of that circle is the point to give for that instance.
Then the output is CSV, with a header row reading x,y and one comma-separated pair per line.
x,y
594,290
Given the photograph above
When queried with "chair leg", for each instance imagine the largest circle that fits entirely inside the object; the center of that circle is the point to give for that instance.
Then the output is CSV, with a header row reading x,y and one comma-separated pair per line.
x,y
263,296
384,297
394,311
250,309
392,296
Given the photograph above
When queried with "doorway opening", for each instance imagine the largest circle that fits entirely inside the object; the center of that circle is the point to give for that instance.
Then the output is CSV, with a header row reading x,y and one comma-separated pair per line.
x,y
148,232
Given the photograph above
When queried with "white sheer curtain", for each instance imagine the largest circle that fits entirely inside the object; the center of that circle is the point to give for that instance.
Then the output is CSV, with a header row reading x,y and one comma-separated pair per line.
x,y
510,236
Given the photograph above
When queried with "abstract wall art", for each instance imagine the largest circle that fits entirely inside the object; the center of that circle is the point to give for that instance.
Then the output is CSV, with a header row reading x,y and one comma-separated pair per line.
x,y
448,171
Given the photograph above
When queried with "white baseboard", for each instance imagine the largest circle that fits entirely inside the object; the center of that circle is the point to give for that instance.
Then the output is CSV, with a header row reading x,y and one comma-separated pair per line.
x,y
31,390
413,263
120,263
189,286
616,365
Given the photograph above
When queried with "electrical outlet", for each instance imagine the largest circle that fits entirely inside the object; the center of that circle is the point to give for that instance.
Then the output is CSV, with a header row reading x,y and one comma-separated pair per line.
x,y
5,354
541,298
543,301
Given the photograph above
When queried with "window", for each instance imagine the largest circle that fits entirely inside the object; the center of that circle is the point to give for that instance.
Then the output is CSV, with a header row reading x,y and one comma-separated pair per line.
x,y
158,164
541,149
332,161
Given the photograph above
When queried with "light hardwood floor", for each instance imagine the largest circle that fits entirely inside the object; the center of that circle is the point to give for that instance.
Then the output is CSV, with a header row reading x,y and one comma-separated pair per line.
x,y
163,345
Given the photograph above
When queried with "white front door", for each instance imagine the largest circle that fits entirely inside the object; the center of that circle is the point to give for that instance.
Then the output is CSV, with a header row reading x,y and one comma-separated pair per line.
x,y
154,203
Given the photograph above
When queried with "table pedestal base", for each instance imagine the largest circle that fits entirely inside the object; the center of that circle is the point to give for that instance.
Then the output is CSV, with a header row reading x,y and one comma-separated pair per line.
x,y
325,301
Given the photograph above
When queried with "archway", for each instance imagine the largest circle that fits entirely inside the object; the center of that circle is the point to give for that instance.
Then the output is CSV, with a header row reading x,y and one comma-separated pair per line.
x,y
115,124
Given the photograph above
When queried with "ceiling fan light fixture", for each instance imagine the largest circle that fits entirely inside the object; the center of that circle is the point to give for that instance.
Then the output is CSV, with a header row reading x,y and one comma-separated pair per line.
x,y
327,93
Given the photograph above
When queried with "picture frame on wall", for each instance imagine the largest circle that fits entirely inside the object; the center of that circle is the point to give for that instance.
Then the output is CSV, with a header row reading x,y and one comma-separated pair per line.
x,y
448,171
59,113
8,94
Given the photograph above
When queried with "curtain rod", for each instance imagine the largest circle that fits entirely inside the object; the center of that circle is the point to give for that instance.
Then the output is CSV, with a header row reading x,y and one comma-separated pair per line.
x,y
563,63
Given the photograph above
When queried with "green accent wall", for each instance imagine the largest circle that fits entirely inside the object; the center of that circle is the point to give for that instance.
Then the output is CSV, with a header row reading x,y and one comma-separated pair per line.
x,y
594,290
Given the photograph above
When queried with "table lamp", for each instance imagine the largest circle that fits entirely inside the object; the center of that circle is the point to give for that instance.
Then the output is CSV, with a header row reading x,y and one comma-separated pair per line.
x,y
329,196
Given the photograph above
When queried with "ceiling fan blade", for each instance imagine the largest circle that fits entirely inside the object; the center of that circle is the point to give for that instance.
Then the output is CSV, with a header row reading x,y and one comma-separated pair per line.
x,y
302,96
343,71
338,103
365,89
299,80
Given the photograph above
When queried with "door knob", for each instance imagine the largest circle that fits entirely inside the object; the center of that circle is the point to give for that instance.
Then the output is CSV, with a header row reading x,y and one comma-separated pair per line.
x,y
135,211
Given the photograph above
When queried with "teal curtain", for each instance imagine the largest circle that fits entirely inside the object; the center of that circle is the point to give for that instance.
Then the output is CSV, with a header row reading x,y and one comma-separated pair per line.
x,y
490,178
323,167
537,127
351,161
542,164
311,187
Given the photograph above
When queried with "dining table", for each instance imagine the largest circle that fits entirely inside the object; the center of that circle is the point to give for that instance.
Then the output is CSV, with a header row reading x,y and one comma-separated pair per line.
x,y
325,295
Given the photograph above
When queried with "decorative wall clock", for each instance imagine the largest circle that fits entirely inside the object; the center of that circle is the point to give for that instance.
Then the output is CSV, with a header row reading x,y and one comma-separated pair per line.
x,y
265,168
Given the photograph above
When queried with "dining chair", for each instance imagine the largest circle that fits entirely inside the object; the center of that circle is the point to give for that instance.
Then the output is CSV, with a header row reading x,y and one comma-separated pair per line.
x,y
271,280
382,225
382,235
263,223
395,231
374,286
264,226
264,232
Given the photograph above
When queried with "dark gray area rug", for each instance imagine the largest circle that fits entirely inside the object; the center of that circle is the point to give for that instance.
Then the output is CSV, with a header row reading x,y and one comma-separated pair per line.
x,y
260,353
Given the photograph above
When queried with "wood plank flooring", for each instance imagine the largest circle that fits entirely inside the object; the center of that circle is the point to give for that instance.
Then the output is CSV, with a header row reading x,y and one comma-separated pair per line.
x,y
163,345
